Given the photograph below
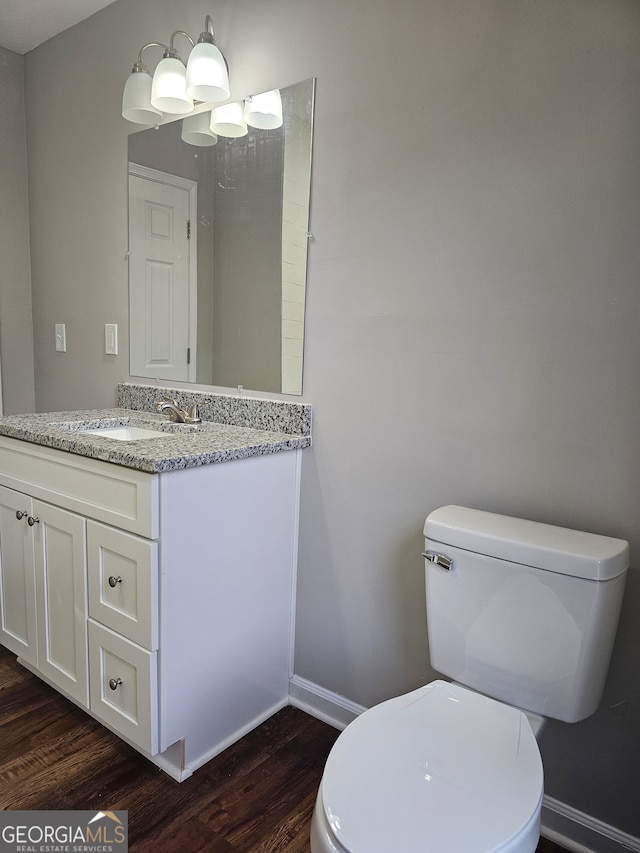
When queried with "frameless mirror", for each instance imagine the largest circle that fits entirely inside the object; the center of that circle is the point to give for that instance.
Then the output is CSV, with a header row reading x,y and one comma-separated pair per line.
x,y
218,233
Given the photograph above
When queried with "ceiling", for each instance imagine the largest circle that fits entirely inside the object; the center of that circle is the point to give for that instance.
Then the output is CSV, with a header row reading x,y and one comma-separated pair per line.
x,y
24,24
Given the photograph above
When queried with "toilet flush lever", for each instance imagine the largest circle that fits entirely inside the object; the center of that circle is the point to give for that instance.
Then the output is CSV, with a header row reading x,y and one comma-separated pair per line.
x,y
439,559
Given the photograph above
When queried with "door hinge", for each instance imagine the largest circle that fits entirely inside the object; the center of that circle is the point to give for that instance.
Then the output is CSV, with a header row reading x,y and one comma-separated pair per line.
x,y
188,355
188,229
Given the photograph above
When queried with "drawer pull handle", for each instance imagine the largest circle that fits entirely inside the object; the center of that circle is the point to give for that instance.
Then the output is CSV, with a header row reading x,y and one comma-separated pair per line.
x,y
20,514
31,521
113,581
114,682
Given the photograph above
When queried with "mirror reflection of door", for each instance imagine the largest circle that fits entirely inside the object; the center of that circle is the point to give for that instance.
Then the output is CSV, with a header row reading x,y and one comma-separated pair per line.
x,y
162,274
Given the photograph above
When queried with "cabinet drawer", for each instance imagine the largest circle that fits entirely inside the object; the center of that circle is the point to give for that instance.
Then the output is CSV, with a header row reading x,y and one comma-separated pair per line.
x,y
123,583
123,686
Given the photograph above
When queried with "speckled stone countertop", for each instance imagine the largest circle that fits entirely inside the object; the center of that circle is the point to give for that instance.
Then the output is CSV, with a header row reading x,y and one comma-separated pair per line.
x,y
181,446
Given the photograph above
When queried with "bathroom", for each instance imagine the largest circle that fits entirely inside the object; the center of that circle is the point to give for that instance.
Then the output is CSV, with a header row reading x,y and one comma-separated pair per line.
x,y
472,299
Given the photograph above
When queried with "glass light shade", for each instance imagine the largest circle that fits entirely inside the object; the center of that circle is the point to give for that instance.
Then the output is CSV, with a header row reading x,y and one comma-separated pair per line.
x,y
196,130
264,111
207,78
136,99
227,120
168,90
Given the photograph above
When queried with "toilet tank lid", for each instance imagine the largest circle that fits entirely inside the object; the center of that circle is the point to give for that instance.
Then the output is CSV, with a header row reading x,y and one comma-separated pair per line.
x,y
542,546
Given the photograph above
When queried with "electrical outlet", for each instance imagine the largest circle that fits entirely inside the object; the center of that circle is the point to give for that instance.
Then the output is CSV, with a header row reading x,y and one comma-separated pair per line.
x,y
111,338
61,337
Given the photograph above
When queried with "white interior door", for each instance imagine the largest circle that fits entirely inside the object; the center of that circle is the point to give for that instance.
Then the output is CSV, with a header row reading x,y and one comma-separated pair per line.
x,y
162,274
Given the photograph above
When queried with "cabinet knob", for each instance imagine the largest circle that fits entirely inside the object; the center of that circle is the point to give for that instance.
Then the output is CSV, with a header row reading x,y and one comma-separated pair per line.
x,y
114,682
31,521
113,581
20,514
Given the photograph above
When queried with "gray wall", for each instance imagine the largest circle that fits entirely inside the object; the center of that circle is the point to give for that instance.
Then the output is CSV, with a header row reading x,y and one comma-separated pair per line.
x,y
16,330
473,291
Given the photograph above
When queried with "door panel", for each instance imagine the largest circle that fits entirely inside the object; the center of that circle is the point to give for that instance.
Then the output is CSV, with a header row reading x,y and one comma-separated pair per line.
x,y
17,579
59,539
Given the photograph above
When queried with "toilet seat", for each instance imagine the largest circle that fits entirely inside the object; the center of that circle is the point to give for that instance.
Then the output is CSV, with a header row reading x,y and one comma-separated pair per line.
x,y
443,764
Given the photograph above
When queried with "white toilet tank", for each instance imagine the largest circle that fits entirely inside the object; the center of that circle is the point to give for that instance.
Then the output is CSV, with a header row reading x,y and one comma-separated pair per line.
x,y
525,612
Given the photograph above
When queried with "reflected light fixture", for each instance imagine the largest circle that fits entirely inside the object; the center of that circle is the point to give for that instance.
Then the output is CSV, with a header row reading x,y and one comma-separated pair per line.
x,y
196,130
264,111
174,88
228,120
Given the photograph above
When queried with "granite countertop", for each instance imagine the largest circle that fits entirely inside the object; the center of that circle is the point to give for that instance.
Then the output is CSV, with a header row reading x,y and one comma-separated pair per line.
x,y
182,446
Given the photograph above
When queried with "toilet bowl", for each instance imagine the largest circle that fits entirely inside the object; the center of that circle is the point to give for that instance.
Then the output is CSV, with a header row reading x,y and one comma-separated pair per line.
x,y
441,768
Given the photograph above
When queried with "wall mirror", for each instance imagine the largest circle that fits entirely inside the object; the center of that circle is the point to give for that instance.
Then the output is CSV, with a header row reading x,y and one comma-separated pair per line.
x,y
218,235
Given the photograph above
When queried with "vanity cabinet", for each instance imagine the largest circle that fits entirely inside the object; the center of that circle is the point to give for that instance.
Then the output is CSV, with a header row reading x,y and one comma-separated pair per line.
x,y
161,603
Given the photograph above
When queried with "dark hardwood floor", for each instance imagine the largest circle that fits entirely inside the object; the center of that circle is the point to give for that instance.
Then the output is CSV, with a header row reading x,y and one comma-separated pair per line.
x,y
256,797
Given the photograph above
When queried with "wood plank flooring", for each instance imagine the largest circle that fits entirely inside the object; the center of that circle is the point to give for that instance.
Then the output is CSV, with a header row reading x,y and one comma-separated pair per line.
x,y
256,797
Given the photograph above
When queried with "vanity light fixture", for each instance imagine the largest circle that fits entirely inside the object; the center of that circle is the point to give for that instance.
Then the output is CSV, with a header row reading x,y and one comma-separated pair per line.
x,y
136,98
207,74
174,88
169,87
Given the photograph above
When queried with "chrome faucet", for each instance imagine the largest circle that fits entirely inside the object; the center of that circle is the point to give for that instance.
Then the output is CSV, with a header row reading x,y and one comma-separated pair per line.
x,y
178,415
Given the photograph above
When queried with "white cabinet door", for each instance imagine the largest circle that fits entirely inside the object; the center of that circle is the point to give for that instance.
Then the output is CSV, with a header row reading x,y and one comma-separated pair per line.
x,y
17,580
60,560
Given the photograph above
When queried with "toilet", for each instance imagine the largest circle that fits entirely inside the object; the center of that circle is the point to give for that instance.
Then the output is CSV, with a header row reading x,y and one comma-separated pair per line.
x,y
522,618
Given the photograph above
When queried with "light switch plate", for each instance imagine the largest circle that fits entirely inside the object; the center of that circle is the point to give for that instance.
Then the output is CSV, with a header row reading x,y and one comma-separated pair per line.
x,y
111,338
61,337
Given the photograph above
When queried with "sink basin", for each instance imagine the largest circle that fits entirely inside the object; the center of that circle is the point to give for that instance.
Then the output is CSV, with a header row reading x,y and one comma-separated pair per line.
x,y
125,433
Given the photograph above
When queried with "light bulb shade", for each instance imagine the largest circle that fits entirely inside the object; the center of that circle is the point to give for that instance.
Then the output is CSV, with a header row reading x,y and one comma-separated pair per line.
x,y
196,130
227,120
136,99
207,77
264,111
168,90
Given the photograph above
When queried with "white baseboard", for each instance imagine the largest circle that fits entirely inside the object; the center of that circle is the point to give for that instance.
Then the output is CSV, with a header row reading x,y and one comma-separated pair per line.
x,y
581,833
331,708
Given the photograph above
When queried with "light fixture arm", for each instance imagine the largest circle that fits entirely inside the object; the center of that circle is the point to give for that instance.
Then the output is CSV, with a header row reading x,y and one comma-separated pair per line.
x,y
139,65
208,35
171,51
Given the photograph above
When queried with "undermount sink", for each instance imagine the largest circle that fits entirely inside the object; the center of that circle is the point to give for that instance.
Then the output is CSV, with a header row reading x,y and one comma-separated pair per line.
x,y
124,433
